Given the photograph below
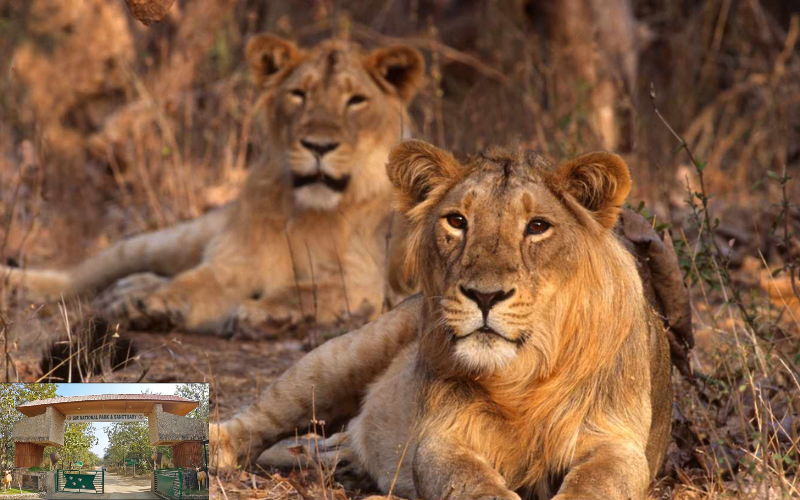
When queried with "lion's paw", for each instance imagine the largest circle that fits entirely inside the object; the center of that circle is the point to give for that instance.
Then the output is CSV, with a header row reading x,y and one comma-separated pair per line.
x,y
223,455
500,495
141,283
253,321
143,302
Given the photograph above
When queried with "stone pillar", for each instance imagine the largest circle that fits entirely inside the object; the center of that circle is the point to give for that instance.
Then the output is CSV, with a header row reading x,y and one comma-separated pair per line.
x,y
166,429
50,482
32,434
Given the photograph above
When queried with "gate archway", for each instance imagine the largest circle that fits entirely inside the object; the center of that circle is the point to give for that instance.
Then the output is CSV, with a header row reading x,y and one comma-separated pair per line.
x,y
46,420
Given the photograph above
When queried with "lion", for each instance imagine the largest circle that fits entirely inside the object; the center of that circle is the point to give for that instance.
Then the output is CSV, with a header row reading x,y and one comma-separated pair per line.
x,y
308,235
531,363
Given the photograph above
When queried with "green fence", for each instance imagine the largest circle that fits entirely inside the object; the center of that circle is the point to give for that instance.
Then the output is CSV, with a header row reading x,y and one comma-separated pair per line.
x,y
169,482
77,481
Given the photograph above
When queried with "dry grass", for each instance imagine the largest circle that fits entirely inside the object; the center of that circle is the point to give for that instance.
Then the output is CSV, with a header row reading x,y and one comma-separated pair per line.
x,y
727,80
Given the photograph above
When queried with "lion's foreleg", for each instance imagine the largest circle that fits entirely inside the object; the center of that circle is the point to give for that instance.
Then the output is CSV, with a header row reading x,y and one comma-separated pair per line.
x,y
196,300
445,468
608,470
327,384
290,306
166,252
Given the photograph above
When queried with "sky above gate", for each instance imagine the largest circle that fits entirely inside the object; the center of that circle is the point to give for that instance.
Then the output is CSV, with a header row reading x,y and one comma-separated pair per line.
x,y
101,428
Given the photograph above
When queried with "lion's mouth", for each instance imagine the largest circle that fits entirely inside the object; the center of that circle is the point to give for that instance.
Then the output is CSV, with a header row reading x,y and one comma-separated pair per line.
x,y
320,177
485,332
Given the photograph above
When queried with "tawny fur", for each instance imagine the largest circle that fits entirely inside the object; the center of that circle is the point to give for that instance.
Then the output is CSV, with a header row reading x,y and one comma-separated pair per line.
x,y
559,388
284,250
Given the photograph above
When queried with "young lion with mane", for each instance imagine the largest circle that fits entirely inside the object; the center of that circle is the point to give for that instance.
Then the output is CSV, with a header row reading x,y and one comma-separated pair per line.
x,y
530,365
307,235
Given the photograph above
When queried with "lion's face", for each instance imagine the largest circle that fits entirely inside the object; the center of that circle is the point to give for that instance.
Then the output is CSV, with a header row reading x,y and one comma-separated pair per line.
x,y
499,241
334,113
495,240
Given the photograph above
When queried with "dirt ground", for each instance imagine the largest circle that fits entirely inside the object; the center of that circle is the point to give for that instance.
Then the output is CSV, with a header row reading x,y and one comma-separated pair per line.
x,y
127,485
237,370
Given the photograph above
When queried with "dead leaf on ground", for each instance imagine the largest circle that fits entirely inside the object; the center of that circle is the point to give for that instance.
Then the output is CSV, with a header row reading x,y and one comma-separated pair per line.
x,y
149,12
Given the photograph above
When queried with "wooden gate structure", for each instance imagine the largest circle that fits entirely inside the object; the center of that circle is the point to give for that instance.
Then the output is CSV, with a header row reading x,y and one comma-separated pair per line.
x,y
187,453
28,455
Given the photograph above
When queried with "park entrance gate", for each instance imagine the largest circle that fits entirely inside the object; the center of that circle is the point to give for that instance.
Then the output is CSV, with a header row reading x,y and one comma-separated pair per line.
x,y
45,421
77,481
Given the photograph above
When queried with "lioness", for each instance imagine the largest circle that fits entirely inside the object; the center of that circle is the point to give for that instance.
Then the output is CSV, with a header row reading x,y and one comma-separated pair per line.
x,y
531,363
308,233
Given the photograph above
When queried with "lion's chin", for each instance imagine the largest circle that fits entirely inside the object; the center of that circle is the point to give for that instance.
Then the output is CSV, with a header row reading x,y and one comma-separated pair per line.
x,y
485,353
317,197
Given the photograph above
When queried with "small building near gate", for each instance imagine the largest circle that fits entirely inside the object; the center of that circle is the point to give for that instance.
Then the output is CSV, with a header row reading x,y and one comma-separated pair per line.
x,y
166,417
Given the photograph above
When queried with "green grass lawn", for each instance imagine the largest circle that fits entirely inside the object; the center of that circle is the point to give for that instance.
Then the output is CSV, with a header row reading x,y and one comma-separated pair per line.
x,y
204,491
16,491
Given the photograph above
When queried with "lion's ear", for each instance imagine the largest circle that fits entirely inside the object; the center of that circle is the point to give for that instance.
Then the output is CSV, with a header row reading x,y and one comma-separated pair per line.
x,y
267,55
599,181
417,168
401,67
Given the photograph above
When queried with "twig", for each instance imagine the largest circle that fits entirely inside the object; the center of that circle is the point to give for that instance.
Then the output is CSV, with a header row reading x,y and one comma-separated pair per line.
x,y
314,332
5,346
397,471
222,488
294,271
143,374
12,213
72,354
344,285
385,306
724,276
785,212
299,488
446,51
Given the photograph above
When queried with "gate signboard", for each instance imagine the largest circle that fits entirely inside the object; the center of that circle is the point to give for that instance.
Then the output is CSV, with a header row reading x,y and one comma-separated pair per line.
x,y
106,417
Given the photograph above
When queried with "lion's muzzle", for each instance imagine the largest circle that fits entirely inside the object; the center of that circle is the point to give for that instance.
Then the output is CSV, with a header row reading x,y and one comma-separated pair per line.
x,y
334,184
486,300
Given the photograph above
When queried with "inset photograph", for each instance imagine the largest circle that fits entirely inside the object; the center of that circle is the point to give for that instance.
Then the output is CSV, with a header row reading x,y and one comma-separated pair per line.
x,y
92,441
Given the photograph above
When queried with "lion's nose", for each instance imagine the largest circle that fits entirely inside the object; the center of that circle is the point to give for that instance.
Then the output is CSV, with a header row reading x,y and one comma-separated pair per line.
x,y
486,300
320,149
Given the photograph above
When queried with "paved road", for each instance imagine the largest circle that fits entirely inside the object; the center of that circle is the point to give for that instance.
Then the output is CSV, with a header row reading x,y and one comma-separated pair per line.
x,y
117,488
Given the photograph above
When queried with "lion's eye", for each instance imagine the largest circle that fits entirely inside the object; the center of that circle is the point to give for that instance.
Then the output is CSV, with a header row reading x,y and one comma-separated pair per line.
x,y
356,99
537,226
299,94
457,221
